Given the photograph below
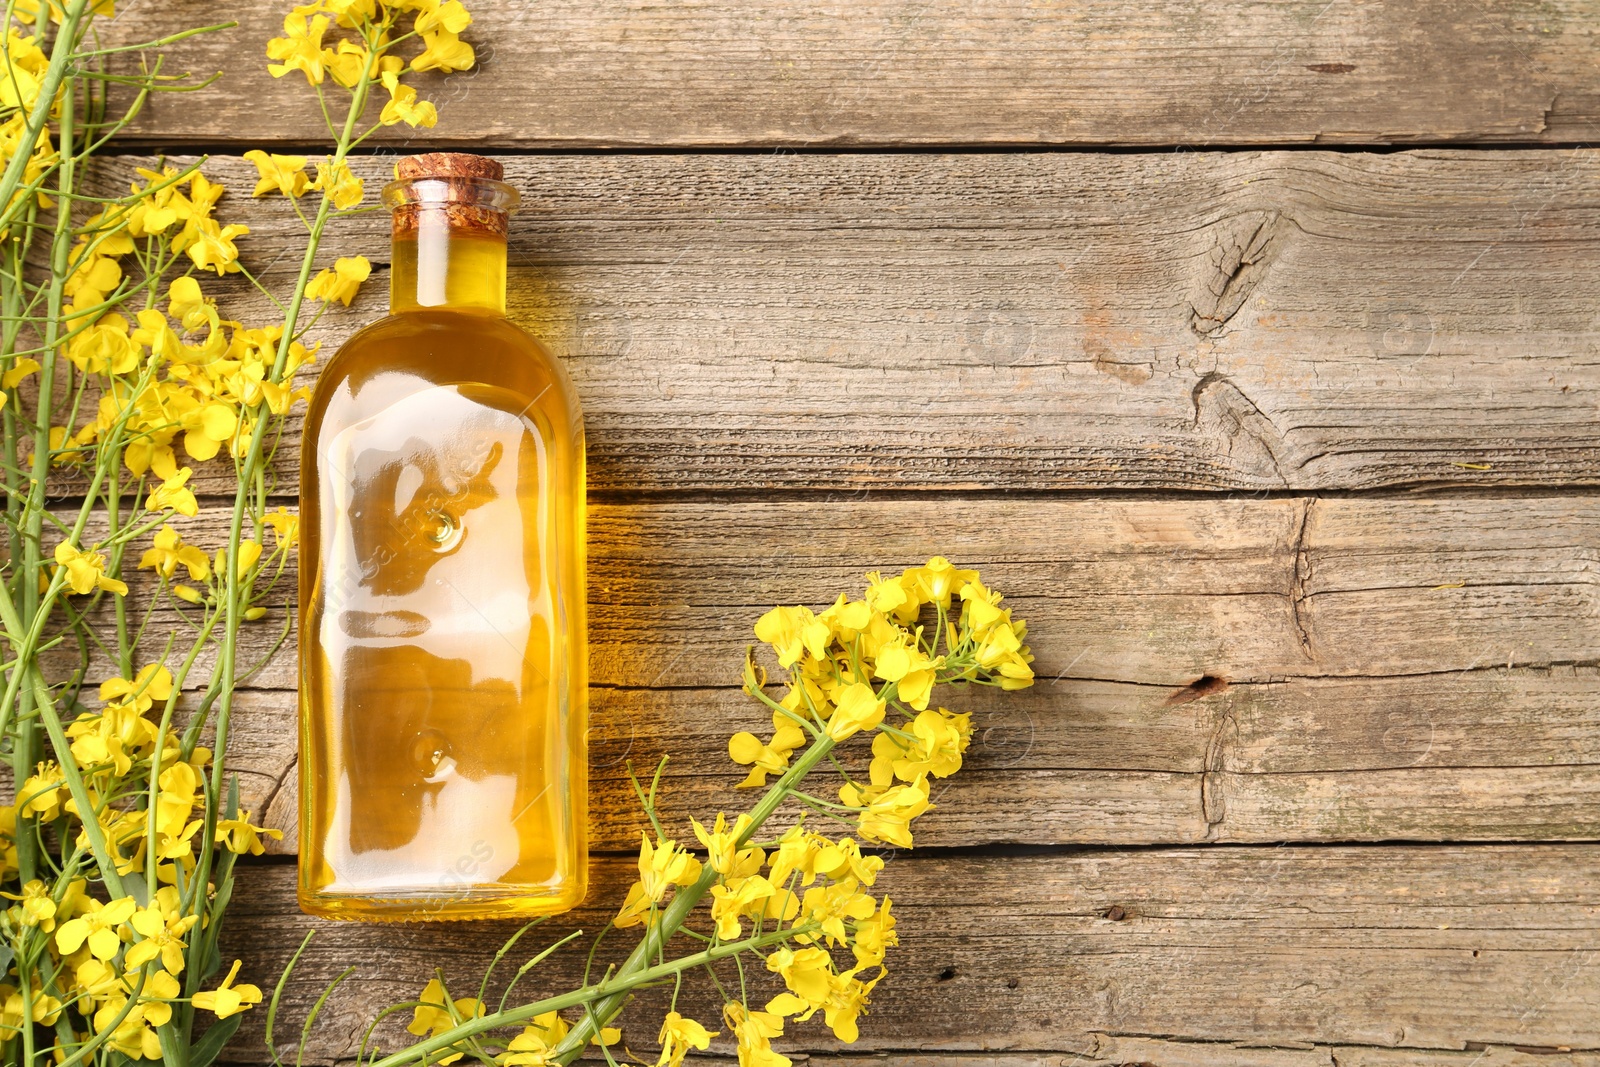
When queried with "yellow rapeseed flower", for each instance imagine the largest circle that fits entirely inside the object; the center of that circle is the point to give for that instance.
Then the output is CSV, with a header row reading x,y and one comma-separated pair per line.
x,y
241,837
856,708
719,841
938,740
433,1016
342,282
905,663
349,13
35,905
207,427
830,905
187,304
249,554
729,903
213,246
42,793
152,683
168,553
403,105
347,63
535,1045
754,1031
285,175
796,853
939,580
793,631
301,47
678,1036
173,492
104,348
229,999
285,527
163,932
86,571
443,51
847,1001
888,817
46,1009
843,859
807,972
1002,651
336,181
98,926
451,15
661,866
763,759
895,596
179,785
874,937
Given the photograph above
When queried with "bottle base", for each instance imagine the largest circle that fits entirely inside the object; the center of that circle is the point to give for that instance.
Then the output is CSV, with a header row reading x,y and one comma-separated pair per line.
x,y
489,902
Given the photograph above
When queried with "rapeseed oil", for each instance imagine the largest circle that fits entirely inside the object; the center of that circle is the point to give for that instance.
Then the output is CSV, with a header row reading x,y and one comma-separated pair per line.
x,y
443,698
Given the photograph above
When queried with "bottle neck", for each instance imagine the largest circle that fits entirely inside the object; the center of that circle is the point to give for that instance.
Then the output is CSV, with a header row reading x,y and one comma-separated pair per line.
x,y
437,265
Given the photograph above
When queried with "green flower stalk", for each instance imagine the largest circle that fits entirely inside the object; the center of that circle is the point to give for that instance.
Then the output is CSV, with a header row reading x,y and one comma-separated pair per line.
x,y
795,903
120,377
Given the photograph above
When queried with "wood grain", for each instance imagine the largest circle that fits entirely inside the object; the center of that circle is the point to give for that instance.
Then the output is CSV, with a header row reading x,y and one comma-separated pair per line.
x,y
1121,1051
1207,321
893,72
1106,764
1399,948
1148,591
1379,652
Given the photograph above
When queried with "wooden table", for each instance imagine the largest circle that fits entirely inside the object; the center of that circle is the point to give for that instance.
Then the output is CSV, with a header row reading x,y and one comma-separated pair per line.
x,y
1246,341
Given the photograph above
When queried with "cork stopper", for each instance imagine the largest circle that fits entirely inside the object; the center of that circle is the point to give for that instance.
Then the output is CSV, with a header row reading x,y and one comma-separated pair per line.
x,y
458,191
449,165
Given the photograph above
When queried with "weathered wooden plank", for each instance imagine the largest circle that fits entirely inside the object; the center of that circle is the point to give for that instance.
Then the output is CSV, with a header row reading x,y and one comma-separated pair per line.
x,y
889,72
1118,1051
1381,652
1401,948
1108,764
1110,1051
1196,321
1150,591
1156,1052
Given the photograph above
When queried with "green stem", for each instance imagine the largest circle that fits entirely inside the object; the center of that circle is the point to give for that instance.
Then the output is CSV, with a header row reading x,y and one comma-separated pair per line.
x,y
151,860
88,814
235,587
676,913
26,743
618,986
61,56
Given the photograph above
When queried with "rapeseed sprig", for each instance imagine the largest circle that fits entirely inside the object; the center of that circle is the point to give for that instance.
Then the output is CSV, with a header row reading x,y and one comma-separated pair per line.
x,y
799,903
122,380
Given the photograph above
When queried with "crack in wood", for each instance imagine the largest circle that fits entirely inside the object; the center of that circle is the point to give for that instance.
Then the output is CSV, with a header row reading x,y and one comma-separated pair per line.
x,y
1213,802
1216,399
1301,564
1239,261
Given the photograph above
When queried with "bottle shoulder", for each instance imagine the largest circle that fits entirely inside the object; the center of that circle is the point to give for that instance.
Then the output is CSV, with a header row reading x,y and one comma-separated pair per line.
x,y
442,347
468,338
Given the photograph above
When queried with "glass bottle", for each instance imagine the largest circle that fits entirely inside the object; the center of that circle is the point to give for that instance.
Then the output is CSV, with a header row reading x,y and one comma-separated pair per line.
x,y
443,673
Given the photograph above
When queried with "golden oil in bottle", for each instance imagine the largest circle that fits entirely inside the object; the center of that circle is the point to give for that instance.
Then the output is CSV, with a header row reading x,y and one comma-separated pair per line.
x,y
443,673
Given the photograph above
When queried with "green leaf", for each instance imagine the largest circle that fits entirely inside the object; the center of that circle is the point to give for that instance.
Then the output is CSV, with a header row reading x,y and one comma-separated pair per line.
x,y
212,963
212,1042
224,894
